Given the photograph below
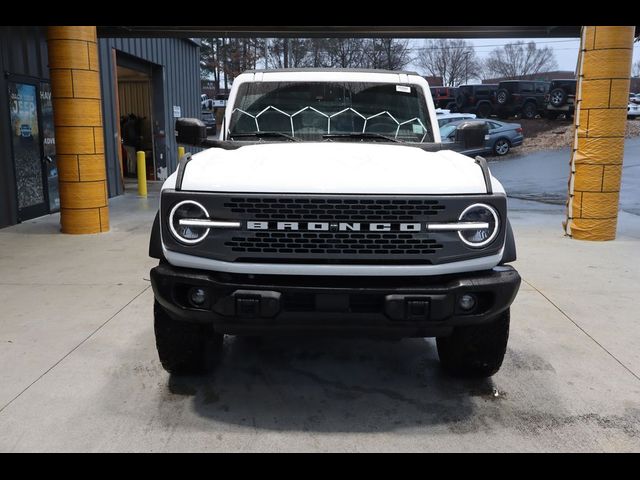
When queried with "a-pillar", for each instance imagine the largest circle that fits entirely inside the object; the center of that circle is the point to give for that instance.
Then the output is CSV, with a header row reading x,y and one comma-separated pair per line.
x,y
76,95
602,96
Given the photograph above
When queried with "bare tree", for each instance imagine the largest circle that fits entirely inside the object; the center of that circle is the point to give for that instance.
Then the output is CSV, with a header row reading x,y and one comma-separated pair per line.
x,y
519,58
209,59
291,52
453,60
345,52
276,52
318,52
226,58
388,53
240,54
635,72
300,54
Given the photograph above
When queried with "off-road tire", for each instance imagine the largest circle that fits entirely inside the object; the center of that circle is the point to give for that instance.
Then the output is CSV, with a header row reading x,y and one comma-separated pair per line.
x,y
460,100
557,97
183,347
475,351
529,110
502,96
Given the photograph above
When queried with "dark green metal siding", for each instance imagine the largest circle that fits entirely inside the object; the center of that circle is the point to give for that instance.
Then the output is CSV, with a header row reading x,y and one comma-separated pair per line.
x,y
23,51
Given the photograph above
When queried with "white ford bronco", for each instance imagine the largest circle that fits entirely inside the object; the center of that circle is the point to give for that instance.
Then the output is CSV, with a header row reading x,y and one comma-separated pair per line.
x,y
329,205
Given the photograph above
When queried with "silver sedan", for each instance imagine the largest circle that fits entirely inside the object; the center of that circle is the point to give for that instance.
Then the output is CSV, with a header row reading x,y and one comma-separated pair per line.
x,y
502,136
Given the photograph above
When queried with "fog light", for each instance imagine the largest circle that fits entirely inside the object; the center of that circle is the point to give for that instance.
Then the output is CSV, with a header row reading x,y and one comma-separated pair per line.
x,y
467,302
197,296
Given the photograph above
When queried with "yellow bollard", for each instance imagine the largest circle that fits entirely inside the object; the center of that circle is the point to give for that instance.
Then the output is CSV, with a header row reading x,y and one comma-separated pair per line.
x,y
142,174
180,152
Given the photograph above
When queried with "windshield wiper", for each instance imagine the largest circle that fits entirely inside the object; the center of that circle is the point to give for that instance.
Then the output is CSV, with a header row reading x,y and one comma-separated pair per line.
x,y
264,134
362,135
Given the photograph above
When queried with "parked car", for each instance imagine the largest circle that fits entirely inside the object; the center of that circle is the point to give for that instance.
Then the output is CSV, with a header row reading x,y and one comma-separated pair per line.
x,y
634,98
476,99
521,97
446,117
501,137
209,119
633,110
444,97
561,98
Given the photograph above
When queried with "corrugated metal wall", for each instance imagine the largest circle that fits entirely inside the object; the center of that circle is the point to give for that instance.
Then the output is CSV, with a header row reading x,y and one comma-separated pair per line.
x,y
23,51
177,62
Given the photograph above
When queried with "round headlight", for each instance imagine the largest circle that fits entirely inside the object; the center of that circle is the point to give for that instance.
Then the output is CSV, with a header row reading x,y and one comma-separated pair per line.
x,y
479,213
188,210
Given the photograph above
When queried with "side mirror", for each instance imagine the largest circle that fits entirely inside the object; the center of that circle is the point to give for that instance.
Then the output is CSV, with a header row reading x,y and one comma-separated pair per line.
x,y
191,131
471,134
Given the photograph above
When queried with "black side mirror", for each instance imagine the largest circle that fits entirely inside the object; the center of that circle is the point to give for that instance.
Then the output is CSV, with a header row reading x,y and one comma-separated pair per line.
x,y
470,134
191,131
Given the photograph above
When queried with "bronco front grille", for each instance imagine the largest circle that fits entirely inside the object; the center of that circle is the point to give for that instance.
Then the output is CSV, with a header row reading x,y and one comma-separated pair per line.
x,y
333,245
330,243
339,209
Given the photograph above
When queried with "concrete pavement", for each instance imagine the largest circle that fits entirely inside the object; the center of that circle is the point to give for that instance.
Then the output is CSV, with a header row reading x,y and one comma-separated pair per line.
x,y
80,370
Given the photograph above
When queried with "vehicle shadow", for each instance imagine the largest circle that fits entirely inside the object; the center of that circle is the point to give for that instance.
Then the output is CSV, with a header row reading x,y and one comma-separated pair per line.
x,y
332,385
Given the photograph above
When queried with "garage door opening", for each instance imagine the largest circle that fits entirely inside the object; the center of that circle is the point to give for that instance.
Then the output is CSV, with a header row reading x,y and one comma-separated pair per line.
x,y
135,113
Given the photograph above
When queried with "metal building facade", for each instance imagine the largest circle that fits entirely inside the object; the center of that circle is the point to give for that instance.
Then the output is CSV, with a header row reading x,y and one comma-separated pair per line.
x,y
23,52
174,65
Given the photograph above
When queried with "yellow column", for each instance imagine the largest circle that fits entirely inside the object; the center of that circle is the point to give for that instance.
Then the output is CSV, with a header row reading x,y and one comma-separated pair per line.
x,y
602,93
77,111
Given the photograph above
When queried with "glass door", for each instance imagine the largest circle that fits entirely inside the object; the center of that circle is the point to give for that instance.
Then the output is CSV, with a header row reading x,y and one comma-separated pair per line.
x,y
28,159
49,147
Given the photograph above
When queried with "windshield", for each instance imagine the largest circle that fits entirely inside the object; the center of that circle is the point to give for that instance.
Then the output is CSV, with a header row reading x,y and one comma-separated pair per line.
x,y
311,110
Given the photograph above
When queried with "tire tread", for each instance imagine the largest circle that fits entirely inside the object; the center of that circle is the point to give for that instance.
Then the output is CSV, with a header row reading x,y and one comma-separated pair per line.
x,y
475,350
182,346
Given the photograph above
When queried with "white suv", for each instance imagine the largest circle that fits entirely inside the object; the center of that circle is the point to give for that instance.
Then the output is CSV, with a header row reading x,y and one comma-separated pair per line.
x,y
329,205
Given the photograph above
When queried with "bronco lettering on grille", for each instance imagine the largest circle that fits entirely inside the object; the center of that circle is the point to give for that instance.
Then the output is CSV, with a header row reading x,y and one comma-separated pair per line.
x,y
335,226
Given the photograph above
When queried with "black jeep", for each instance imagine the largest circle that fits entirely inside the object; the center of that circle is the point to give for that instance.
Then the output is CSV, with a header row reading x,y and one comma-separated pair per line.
x,y
521,97
476,99
444,97
561,98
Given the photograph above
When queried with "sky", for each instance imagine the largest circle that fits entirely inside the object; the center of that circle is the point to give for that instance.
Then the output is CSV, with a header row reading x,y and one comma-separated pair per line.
x,y
565,49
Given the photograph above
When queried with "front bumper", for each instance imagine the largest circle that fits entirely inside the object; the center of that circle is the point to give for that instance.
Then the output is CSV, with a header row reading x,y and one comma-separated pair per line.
x,y
395,306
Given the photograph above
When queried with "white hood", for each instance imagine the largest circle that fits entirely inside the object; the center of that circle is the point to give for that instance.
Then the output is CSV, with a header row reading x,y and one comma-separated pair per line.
x,y
333,167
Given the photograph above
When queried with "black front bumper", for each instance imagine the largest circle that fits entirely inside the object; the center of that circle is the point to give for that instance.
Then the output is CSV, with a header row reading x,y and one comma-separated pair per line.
x,y
396,306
